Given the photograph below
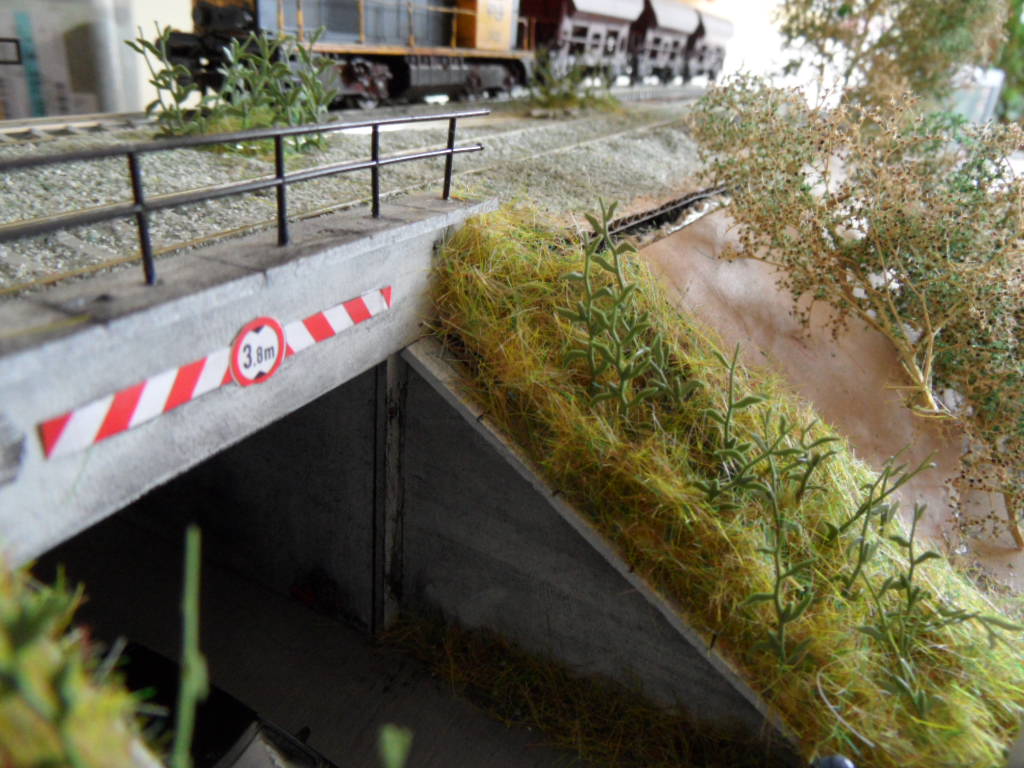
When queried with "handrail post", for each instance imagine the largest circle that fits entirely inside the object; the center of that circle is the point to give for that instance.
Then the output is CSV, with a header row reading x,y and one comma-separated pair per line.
x,y
282,191
142,219
448,160
375,170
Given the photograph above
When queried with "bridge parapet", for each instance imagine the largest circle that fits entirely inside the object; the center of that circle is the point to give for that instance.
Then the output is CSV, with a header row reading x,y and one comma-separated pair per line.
x,y
109,387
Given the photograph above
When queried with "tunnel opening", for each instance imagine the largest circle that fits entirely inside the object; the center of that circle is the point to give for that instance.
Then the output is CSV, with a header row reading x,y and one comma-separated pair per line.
x,y
291,593
287,521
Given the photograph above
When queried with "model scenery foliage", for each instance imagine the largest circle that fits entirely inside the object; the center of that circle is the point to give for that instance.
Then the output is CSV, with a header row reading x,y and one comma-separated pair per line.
x,y
267,81
1011,61
748,515
557,93
872,51
61,703
908,223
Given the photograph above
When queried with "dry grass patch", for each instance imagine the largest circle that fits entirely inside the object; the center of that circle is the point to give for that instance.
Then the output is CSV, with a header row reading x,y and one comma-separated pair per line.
x,y
642,473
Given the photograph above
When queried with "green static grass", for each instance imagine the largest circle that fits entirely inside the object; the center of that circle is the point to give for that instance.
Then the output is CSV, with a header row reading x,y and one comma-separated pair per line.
x,y
500,282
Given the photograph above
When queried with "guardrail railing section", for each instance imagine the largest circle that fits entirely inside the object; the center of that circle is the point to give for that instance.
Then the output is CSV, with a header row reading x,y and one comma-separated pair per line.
x,y
141,206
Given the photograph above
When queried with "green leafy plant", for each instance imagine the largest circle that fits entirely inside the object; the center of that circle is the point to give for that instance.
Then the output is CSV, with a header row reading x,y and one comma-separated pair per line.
x,y
1011,61
393,744
194,685
275,81
876,507
777,469
555,91
904,623
626,361
267,81
180,106
910,224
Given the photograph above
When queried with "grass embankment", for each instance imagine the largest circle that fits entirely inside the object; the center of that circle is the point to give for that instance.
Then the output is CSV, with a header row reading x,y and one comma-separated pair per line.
x,y
919,688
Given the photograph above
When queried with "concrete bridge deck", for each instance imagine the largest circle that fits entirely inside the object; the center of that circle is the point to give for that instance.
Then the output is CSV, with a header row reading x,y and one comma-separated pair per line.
x,y
126,386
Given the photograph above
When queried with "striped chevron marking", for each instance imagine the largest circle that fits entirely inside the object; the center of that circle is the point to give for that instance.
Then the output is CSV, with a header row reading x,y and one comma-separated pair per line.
x,y
135,405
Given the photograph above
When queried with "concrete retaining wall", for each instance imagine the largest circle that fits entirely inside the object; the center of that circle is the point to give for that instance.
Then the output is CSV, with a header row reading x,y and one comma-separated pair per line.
x,y
490,544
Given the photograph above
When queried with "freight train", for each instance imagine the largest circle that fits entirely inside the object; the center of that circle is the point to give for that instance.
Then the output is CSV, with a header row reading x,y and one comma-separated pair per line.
x,y
406,49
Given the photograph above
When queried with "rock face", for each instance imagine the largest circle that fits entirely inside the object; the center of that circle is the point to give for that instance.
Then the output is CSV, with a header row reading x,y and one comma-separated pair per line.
x,y
853,380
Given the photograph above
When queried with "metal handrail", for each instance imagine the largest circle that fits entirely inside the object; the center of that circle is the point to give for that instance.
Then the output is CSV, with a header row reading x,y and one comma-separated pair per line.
x,y
141,206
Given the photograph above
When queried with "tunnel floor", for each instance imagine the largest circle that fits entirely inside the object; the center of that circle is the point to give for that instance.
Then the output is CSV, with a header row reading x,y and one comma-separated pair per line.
x,y
295,667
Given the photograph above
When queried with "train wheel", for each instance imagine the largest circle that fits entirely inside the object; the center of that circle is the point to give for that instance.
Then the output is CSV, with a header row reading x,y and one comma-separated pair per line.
x,y
473,88
369,81
504,93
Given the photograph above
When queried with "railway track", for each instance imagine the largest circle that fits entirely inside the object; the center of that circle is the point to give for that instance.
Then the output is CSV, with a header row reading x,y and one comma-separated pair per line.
x,y
511,144
37,129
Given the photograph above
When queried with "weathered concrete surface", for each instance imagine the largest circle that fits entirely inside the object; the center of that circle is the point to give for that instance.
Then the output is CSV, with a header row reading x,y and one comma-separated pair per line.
x,y
292,506
91,339
491,545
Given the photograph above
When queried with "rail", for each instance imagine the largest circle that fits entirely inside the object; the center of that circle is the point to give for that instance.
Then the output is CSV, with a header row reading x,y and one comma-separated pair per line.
x,y
141,207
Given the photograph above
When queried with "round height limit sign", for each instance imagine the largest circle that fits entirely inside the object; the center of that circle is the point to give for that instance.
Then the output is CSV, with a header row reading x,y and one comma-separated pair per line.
x,y
258,351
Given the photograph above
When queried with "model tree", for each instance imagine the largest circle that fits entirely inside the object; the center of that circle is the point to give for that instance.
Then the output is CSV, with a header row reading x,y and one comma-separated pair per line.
x,y
874,50
1011,103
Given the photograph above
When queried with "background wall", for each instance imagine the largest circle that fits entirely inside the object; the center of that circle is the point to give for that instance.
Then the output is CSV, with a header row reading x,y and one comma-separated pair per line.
x,y
73,56
147,14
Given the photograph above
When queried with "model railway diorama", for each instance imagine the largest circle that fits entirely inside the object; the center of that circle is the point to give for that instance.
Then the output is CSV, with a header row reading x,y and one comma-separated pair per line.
x,y
427,444
390,49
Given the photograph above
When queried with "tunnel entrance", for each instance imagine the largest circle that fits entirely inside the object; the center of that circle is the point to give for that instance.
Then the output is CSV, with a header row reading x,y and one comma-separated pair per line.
x,y
291,576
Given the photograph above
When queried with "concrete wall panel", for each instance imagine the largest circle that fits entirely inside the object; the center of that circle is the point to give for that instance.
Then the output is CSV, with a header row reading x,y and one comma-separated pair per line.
x,y
291,506
487,548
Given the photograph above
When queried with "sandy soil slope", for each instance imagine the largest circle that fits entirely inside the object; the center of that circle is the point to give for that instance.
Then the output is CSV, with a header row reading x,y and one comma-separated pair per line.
x,y
852,380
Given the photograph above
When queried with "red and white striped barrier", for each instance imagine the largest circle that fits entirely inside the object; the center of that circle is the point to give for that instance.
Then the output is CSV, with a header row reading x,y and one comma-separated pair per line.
x,y
255,356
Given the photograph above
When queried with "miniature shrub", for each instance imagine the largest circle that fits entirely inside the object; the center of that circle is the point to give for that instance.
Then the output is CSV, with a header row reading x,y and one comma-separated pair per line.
x,y
748,515
559,92
59,703
63,705
1011,61
267,81
911,224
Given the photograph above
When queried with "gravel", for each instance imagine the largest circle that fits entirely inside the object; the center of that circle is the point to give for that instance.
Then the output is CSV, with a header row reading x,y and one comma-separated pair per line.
x,y
641,152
